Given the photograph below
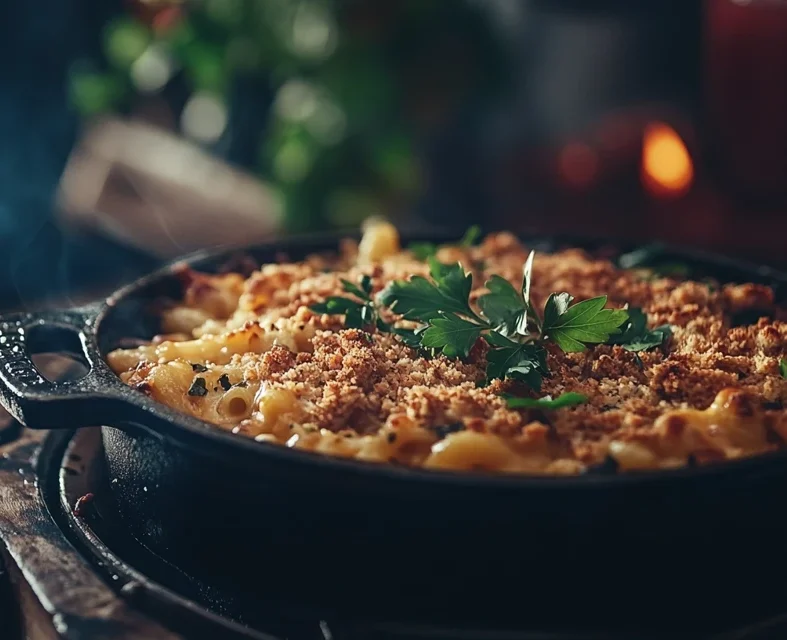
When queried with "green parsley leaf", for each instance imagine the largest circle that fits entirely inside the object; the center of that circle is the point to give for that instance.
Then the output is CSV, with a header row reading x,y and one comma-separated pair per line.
x,y
527,275
452,281
504,308
419,299
509,359
414,299
452,327
366,285
358,314
453,335
336,305
653,338
411,337
783,368
635,336
349,287
557,305
635,326
569,399
587,322
423,250
471,236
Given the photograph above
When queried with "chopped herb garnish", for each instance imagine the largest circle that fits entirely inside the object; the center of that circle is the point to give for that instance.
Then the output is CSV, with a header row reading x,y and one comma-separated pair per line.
x,y
504,307
509,359
505,319
451,334
420,299
411,337
635,335
224,381
359,311
471,237
425,250
196,366
569,399
783,368
443,430
198,387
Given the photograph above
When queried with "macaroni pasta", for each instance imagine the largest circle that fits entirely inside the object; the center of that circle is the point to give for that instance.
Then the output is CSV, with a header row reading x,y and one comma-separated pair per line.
x,y
248,355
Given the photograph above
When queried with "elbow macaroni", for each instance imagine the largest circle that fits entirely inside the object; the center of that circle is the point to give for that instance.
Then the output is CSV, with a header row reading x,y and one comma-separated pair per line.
x,y
226,326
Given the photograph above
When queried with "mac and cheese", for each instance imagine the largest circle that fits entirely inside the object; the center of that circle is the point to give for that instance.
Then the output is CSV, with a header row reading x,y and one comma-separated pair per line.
x,y
248,355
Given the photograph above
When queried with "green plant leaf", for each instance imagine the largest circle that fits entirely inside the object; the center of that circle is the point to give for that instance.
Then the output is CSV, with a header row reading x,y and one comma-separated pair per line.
x,y
654,338
366,285
472,235
783,368
349,287
335,305
358,314
420,299
557,305
569,399
453,335
354,317
414,299
509,359
587,322
411,337
635,336
503,307
527,275
423,250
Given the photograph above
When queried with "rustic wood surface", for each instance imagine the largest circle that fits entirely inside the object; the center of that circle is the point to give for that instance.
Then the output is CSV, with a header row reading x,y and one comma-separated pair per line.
x,y
57,588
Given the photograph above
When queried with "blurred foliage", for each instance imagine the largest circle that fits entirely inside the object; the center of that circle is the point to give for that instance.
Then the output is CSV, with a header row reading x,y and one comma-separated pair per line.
x,y
353,89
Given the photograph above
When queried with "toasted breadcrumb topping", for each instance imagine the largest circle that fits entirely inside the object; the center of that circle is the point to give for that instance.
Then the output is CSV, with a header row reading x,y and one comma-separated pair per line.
x,y
713,392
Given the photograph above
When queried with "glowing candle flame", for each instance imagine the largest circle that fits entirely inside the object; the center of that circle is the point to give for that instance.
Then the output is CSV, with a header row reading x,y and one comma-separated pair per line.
x,y
667,169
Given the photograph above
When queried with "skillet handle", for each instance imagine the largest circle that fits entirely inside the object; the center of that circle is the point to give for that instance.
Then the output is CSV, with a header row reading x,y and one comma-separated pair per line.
x,y
37,402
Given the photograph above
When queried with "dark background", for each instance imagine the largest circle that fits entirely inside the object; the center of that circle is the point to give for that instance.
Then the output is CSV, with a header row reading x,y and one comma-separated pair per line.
x,y
38,43
572,63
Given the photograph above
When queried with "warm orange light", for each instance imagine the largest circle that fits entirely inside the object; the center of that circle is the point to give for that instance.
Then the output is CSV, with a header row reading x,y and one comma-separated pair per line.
x,y
667,170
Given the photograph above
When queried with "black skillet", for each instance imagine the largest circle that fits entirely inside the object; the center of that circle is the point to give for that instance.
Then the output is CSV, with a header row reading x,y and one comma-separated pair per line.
x,y
695,547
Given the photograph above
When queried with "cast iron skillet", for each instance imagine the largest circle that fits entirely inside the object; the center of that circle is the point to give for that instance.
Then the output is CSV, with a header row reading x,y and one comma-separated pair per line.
x,y
692,546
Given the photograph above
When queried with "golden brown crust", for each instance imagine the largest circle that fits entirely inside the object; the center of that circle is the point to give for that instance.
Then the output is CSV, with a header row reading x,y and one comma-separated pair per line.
x,y
373,384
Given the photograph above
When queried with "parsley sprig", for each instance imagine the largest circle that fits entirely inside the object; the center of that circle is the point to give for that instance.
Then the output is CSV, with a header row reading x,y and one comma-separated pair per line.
x,y
359,311
635,335
568,399
573,327
425,250
504,318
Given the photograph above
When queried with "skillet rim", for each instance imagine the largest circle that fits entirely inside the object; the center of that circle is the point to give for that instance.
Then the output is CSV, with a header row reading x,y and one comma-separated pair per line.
x,y
192,433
